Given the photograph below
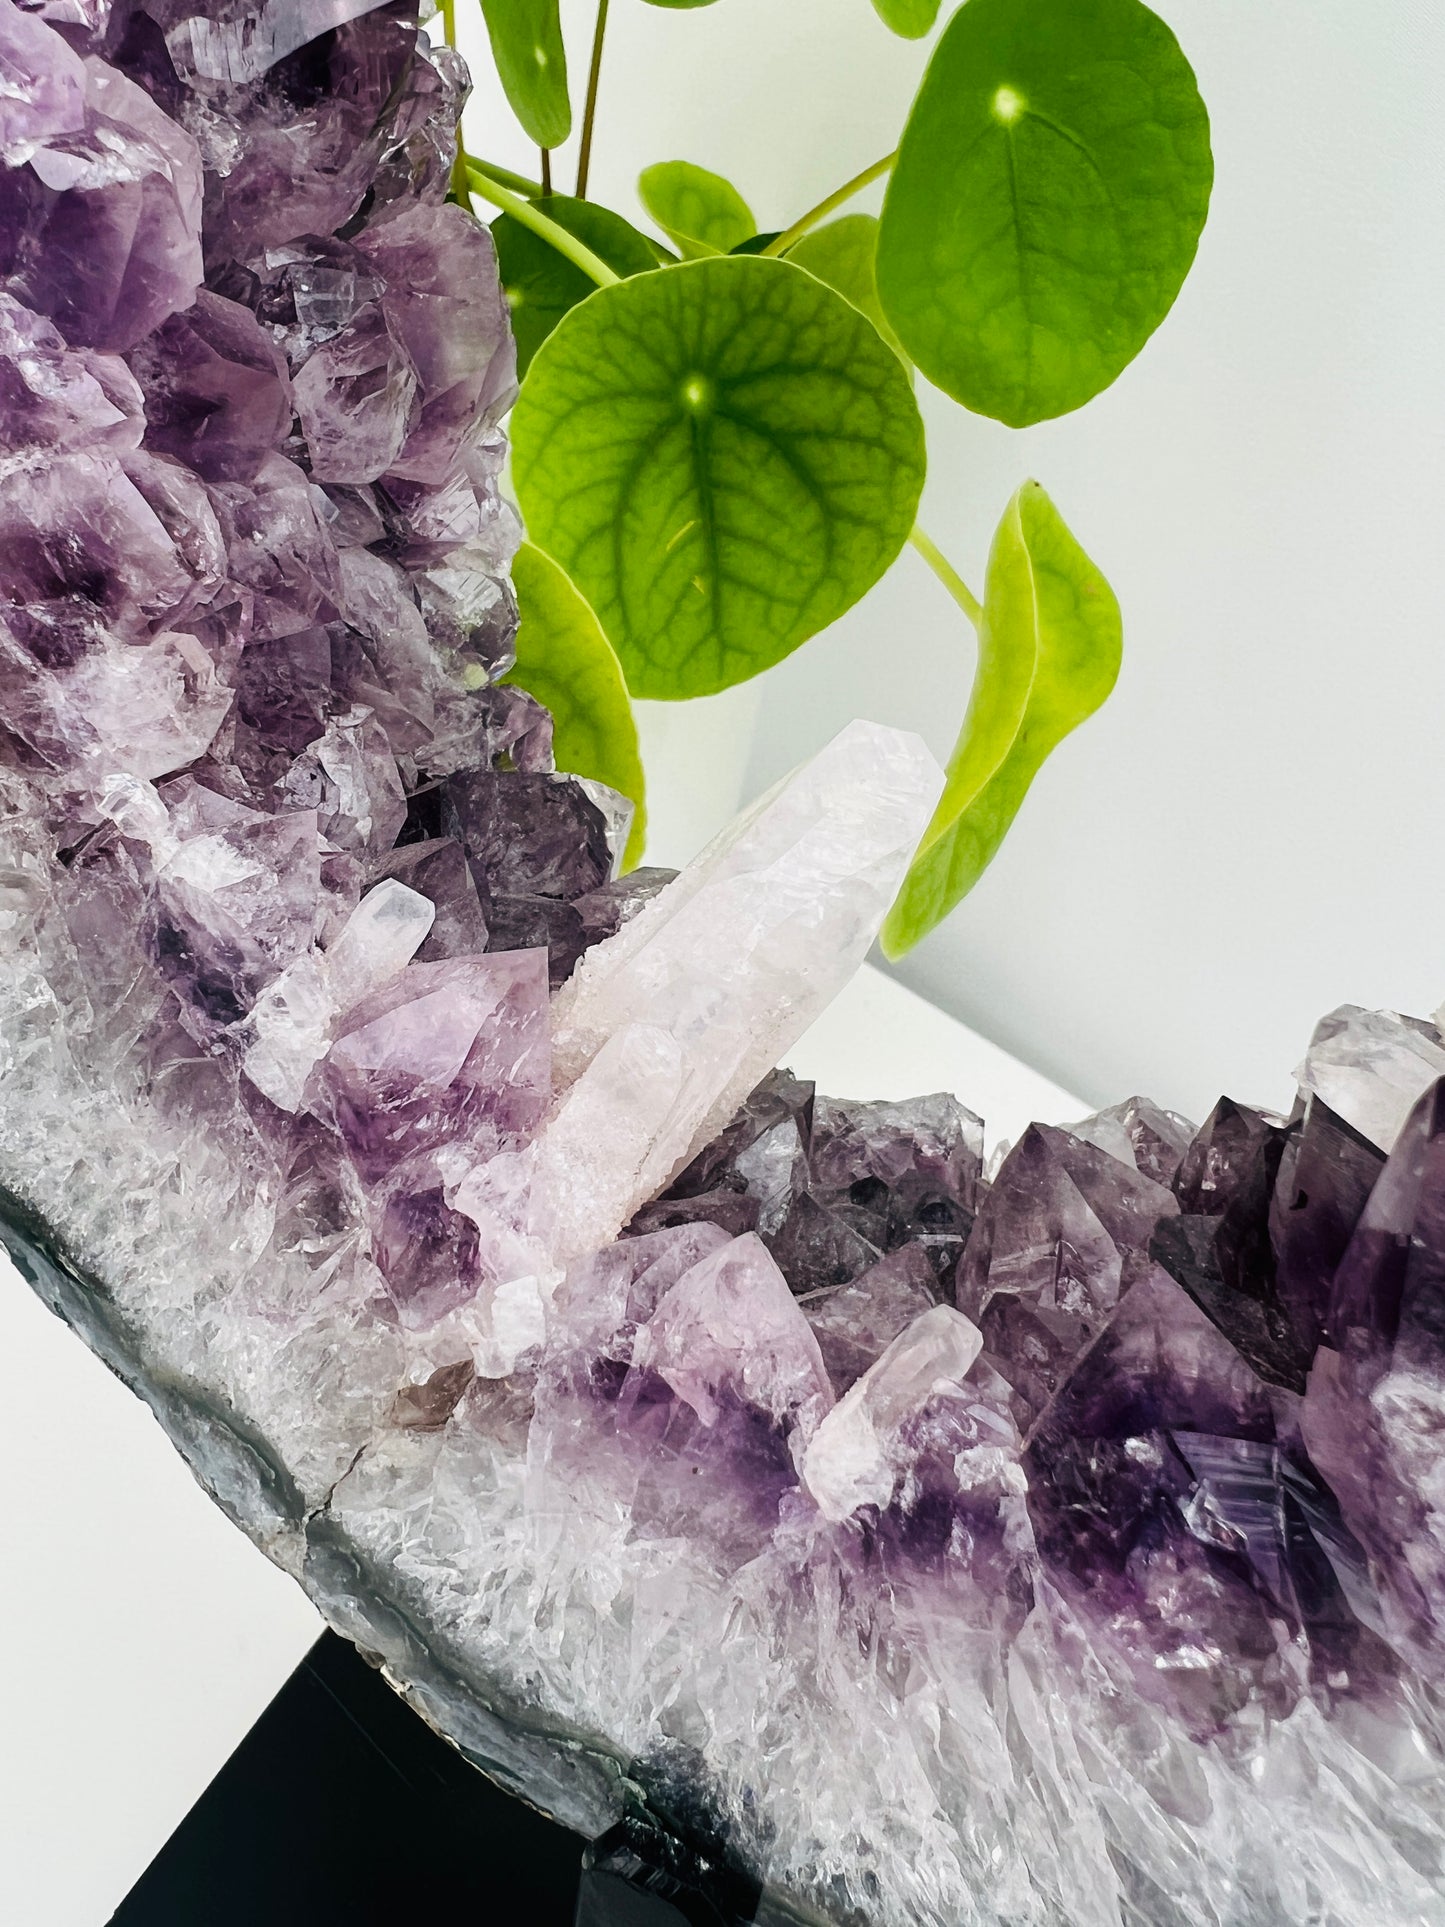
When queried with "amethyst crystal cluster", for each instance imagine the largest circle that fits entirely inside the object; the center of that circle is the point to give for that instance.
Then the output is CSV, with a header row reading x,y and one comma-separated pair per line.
x,y
1057,1541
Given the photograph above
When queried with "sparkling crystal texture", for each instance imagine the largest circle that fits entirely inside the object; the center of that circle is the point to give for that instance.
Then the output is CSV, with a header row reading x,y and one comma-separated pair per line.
x,y
1051,1542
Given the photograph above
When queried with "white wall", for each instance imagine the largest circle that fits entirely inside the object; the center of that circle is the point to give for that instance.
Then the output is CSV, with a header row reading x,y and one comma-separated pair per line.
x,y
1248,833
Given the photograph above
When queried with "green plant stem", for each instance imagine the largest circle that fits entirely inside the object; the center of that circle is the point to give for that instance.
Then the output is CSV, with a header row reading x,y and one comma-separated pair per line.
x,y
546,184
491,189
519,183
947,574
449,22
824,208
589,114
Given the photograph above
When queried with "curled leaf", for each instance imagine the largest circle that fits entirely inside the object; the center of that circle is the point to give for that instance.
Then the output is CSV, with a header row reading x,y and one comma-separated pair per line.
x,y
724,457
565,661
526,37
1046,203
1049,646
699,210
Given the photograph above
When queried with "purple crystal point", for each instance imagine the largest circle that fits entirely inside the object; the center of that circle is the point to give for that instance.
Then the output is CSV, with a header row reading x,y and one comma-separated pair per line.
x,y
1371,1418
217,391
528,836
854,1324
1061,1237
1114,1502
306,140
728,1333
445,310
237,41
746,1178
449,1051
55,400
43,95
438,869
1220,1248
899,1173
101,229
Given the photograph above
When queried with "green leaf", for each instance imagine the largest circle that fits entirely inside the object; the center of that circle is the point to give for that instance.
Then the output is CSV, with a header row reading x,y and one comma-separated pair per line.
x,y
1049,647
844,254
911,18
1046,203
526,37
565,661
541,284
701,212
679,5
723,457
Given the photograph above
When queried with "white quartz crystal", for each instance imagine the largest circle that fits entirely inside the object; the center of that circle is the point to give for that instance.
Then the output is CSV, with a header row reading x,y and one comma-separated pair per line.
x,y
1370,1067
852,1459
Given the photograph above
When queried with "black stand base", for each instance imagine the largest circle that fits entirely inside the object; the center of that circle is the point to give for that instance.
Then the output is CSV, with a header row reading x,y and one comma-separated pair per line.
x,y
341,1808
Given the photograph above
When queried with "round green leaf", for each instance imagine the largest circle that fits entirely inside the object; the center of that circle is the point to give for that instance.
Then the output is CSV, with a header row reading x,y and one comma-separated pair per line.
x,y
1046,203
541,284
723,457
700,211
526,37
911,18
844,254
1050,641
565,661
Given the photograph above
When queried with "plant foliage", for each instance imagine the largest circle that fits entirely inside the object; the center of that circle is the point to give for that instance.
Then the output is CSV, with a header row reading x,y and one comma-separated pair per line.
x,y
723,457
717,455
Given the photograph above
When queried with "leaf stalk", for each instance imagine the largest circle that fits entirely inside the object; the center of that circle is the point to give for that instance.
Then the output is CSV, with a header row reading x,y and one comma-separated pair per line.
x,y
825,207
947,574
577,252
589,113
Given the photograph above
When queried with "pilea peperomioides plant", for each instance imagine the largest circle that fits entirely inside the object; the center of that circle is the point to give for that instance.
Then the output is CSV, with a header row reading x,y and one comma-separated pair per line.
x,y
718,449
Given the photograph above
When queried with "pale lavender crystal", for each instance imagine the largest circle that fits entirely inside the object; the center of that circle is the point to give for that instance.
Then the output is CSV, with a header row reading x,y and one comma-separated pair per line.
x,y
55,399
445,310
1138,1132
357,399
100,229
730,1333
42,97
217,391
449,1051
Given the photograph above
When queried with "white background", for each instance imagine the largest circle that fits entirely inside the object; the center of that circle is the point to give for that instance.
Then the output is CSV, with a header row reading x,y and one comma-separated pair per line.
x,y
1248,834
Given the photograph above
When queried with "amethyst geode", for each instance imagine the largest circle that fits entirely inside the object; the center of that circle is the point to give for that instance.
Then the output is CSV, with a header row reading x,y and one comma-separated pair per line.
x,y
1057,1542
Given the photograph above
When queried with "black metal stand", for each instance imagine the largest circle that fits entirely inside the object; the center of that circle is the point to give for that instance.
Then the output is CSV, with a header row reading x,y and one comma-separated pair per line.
x,y
341,1808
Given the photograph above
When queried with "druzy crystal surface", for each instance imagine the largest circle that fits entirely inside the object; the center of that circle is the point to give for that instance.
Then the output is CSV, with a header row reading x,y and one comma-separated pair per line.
x,y
908,1537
